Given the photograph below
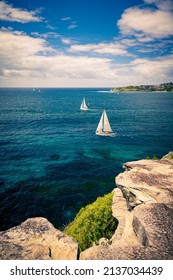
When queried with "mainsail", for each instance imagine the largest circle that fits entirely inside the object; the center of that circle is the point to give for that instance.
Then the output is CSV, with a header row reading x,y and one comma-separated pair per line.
x,y
83,105
104,127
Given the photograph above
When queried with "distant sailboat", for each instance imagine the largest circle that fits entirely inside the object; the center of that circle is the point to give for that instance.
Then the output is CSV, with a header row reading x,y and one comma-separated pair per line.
x,y
83,105
104,128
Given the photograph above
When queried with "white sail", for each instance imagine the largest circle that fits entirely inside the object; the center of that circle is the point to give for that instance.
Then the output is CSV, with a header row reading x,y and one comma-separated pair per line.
x,y
107,126
104,127
100,126
83,105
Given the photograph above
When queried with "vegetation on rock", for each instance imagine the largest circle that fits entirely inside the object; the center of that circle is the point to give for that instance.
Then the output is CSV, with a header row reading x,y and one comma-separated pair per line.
x,y
93,222
154,157
169,156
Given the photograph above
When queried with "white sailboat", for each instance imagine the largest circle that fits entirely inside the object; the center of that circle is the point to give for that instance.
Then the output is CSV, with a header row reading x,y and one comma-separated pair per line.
x,y
83,105
104,128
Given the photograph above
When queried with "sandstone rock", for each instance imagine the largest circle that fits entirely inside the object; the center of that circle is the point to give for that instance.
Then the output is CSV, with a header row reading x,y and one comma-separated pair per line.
x,y
153,225
146,181
36,238
169,156
104,241
143,205
119,211
118,252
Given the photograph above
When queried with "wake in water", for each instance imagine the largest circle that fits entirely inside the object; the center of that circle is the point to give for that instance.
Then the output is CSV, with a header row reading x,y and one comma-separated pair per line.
x,y
103,91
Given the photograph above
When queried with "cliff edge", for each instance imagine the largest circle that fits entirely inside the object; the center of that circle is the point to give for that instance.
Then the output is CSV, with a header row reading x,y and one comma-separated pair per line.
x,y
143,205
37,239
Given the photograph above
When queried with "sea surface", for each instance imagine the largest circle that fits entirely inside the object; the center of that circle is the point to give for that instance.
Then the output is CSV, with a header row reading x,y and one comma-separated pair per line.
x,y
53,163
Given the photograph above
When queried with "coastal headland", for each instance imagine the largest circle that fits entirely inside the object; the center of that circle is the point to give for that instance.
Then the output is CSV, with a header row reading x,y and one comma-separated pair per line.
x,y
142,204
165,87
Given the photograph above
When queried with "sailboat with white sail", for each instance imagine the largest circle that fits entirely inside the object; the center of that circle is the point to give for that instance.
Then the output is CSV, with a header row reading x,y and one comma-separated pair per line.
x,y
104,128
84,106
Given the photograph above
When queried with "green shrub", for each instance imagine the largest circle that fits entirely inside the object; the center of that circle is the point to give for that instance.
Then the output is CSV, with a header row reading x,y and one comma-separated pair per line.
x,y
153,158
170,156
93,222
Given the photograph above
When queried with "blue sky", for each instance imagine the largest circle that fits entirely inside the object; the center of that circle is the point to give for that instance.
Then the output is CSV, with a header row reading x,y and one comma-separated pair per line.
x,y
78,43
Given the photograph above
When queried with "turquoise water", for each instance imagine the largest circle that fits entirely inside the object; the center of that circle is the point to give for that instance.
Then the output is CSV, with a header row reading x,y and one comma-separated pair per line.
x,y
52,163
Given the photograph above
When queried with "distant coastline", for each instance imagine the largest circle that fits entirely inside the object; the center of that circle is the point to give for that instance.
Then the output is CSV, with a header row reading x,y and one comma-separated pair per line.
x,y
165,87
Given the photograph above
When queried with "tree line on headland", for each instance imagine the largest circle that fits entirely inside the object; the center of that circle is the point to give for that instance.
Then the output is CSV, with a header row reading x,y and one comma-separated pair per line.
x,y
165,87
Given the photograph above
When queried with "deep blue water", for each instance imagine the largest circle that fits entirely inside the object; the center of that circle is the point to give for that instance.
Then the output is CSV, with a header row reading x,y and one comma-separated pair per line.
x,y
52,163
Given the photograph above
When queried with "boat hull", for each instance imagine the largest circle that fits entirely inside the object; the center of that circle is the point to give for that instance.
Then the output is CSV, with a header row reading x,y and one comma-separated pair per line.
x,y
106,134
84,109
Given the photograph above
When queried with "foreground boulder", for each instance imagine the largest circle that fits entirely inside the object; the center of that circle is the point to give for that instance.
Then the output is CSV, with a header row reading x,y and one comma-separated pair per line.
x,y
34,239
143,205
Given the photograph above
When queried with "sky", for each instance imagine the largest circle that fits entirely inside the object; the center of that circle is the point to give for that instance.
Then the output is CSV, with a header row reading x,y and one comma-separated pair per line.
x,y
85,43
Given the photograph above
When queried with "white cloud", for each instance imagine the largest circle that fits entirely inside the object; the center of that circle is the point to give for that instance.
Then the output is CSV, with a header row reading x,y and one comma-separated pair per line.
x,y
8,13
23,64
17,48
153,23
151,68
20,57
6,28
145,39
72,26
50,27
145,65
128,42
66,19
46,35
102,48
66,41
161,4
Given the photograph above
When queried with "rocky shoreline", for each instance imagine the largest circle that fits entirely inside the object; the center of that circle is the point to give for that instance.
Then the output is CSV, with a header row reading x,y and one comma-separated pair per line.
x,y
143,205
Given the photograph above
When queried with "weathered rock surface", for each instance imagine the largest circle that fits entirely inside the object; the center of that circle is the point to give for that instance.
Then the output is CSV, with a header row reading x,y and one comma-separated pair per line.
x,y
36,238
147,181
143,204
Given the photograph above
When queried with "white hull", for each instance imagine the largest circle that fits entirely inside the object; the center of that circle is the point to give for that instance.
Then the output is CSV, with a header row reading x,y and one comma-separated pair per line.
x,y
84,109
110,134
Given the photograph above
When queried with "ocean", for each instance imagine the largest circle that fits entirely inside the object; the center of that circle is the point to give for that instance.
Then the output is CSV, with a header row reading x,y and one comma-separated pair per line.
x,y
53,163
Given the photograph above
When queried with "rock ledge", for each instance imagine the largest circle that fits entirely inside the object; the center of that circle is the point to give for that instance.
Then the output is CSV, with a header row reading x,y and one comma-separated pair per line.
x,y
34,239
143,204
